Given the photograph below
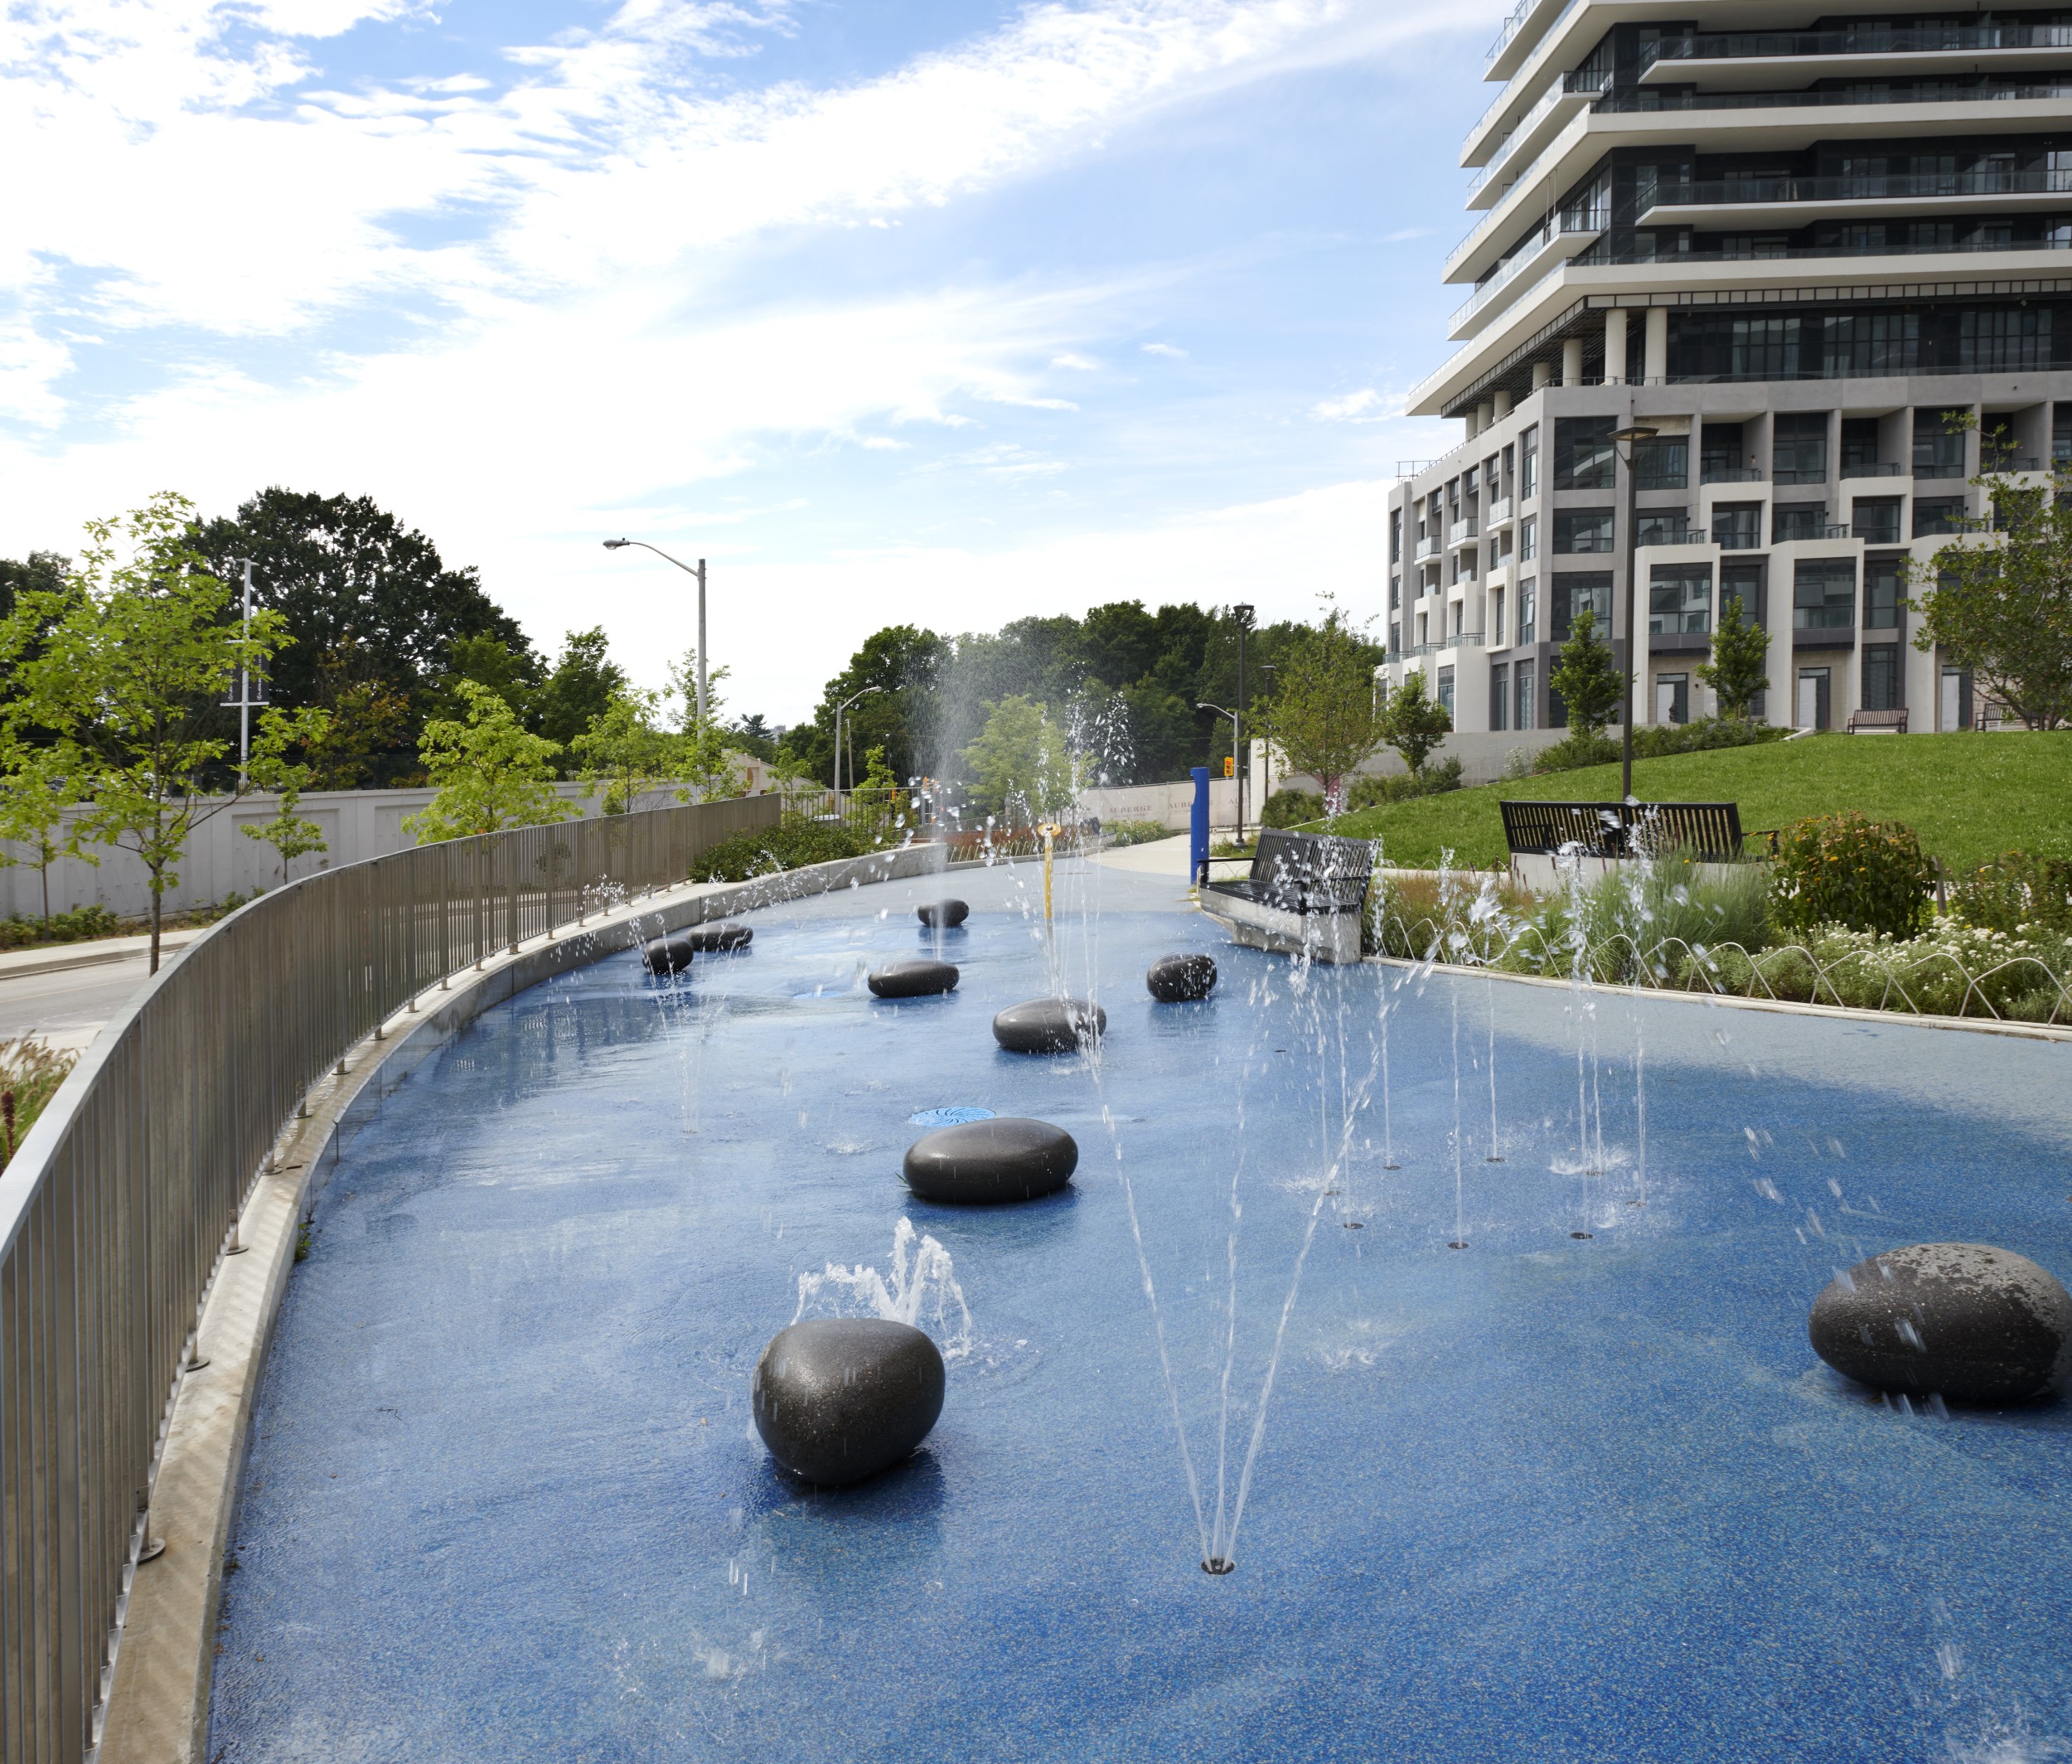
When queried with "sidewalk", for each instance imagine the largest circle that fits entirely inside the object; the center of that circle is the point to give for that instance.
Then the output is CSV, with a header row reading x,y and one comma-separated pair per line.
x,y
54,958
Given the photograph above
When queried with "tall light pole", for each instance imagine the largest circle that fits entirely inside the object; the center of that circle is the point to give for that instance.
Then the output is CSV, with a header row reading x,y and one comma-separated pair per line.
x,y
1243,615
839,710
1627,440
619,545
1239,776
244,701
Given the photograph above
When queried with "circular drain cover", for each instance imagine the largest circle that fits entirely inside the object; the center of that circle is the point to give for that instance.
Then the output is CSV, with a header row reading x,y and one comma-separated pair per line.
x,y
953,1117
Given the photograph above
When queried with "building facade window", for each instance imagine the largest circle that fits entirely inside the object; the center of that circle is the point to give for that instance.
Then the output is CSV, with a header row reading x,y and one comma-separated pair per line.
x,y
1884,587
1529,462
1859,443
1812,710
1798,446
1875,520
1882,678
1529,538
1744,582
1824,595
1582,531
1663,463
1395,592
1445,689
1500,695
1797,521
1937,515
1673,698
1529,612
1737,526
1496,618
1525,707
1577,593
1662,526
1680,600
1396,536
1584,456
1938,451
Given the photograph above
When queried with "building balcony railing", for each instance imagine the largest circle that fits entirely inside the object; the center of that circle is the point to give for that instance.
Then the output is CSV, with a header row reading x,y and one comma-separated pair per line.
x,y
1424,548
1499,512
1874,471
1799,474
1461,531
1586,225
1792,536
1629,100
1459,640
1939,38
1709,473
1596,258
1570,90
1765,192
1680,532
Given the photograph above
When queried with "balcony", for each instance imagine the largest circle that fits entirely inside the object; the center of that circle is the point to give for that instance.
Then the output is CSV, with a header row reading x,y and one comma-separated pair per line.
x,y
1667,531
1528,266
1644,100
1562,99
1729,202
1461,531
1709,473
1424,549
1849,472
1500,512
1794,57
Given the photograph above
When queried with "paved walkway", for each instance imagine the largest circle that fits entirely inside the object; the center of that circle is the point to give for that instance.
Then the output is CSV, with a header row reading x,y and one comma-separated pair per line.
x,y
65,994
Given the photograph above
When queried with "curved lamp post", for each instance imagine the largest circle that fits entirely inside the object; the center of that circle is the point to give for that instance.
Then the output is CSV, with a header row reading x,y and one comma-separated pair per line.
x,y
620,544
839,710
1627,440
1235,773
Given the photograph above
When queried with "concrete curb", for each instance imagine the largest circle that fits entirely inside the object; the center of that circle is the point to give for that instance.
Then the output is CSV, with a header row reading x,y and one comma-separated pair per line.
x,y
158,1702
1789,1007
18,964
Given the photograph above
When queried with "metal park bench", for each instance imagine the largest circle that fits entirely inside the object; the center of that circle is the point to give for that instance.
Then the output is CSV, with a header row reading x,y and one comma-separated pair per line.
x,y
1302,892
1894,722
1711,830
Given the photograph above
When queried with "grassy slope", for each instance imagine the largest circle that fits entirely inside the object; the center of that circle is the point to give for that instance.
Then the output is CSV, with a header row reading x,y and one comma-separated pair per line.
x,y
1968,796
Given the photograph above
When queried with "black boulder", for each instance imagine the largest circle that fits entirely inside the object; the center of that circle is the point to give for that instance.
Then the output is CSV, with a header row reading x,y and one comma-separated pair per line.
x,y
667,955
1966,1321
840,1399
1050,1025
985,1162
1178,979
912,979
723,934
943,912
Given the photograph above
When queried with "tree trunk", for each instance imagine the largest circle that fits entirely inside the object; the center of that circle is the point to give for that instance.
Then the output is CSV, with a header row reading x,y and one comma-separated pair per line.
x,y
158,901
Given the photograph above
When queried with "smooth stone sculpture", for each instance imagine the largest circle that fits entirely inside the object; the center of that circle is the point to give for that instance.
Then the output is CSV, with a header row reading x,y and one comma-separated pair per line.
x,y
1967,1321
912,979
1050,1025
941,913
667,955
722,934
983,1163
839,1399
1179,980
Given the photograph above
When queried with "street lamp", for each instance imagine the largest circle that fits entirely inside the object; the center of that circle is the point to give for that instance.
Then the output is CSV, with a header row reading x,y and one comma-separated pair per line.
x,y
1243,615
1627,440
620,544
1234,773
839,710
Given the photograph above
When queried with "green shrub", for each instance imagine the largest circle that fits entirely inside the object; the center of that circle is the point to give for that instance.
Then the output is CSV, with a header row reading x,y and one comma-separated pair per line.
x,y
1367,793
76,926
30,1073
791,844
1582,747
1135,832
1952,970
2017,890
1657,740
1848,870
1287,808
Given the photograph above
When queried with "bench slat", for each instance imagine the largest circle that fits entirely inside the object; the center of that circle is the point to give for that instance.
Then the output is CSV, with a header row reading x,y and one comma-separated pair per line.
x,y
1712,830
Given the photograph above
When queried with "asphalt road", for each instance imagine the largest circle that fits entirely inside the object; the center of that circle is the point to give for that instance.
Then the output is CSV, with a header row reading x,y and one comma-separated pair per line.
x,y
67,1009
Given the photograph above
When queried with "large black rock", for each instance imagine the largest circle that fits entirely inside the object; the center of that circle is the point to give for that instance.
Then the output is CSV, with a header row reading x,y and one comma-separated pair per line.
x,y
839,1399
1175,979
917,979
722,933
667,955
943,912
1050,1025
1971,1322
985,1162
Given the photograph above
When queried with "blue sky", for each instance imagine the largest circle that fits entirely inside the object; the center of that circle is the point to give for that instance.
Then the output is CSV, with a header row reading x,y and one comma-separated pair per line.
x,y
895,310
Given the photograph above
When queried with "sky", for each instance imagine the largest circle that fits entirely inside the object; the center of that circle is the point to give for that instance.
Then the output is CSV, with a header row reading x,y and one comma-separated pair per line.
x,y
896,311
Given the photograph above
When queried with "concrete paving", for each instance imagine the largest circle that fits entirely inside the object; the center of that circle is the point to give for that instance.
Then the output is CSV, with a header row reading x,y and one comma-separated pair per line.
x,y
68,1008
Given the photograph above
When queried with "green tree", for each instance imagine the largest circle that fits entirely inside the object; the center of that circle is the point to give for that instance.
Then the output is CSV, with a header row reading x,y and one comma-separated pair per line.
x,y
901,665
2000,601
289,834
1413,722
347,576
1588,684
626,752
1739,668
126,666
580,688
491,771
512,674
35,792
1020,760
1324,715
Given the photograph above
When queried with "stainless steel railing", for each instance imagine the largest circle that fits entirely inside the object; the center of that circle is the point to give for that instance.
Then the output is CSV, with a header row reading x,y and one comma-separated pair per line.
x,y
116,1210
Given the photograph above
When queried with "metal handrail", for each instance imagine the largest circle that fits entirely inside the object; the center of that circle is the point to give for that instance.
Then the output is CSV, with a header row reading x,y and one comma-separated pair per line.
x,y
117,1208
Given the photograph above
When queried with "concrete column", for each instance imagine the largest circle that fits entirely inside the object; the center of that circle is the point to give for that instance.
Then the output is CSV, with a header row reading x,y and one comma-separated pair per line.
x,y
1658,361
1471,416
1542,375
1485,415
1502,405
1572,362
1615,347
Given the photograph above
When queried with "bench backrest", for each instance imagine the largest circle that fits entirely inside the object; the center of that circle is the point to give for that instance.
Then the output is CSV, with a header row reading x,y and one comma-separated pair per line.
x,y
1877,720
1312,872
1710,830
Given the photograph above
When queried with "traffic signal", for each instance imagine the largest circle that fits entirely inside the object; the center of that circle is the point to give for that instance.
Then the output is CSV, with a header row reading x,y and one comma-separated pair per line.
x,y
1230,765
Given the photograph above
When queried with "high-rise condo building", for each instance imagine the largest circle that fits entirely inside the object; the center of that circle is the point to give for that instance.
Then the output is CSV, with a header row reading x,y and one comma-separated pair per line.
x,y
1792,242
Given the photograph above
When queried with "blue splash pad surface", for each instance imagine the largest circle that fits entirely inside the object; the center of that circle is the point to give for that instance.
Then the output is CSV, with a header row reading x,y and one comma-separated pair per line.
x,y
1547,1498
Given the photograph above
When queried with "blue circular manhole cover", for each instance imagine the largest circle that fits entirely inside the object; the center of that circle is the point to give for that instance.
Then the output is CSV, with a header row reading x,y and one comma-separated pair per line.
x,y
948,1118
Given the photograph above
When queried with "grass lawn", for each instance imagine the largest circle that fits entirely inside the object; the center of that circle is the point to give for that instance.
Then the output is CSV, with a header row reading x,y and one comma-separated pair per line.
x,y
1969,797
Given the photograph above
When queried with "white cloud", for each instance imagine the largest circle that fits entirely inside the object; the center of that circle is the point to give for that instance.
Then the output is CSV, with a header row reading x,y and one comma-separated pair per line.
x,y
1082,364
1366,406
1164,349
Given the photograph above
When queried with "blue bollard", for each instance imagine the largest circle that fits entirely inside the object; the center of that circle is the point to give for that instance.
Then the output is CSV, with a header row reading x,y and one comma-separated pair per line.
x,y
1198,828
